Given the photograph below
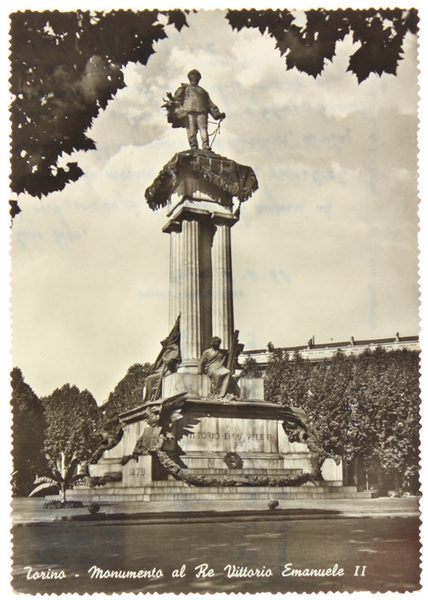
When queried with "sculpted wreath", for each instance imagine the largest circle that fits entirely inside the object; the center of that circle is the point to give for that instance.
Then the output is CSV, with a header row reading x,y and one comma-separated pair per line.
x,y
233,460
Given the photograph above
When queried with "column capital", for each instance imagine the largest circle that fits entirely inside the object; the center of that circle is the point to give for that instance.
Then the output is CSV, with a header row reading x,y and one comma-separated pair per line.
x,y
172,226
229,219
185,213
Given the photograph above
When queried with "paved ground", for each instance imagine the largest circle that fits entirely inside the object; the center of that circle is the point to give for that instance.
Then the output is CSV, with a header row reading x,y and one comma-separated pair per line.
x,y
375,554
30,510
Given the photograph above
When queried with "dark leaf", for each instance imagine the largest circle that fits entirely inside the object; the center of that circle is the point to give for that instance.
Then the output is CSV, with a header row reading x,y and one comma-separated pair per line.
x,y
177,18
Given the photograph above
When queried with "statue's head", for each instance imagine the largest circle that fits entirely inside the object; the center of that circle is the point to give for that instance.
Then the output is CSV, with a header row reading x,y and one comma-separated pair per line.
x,y
215,342
194,76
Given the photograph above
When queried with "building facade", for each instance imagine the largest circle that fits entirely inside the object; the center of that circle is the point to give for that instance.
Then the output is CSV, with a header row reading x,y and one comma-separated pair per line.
x,y
317,352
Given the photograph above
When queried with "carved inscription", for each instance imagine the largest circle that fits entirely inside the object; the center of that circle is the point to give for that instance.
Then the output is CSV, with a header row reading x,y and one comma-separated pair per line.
x,y
215,435
222,434
137,471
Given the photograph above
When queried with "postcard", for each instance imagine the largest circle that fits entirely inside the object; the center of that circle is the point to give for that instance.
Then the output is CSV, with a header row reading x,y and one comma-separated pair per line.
x,y
214,296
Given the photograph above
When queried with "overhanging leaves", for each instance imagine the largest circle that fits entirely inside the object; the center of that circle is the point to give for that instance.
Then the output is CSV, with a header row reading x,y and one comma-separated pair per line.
x,y
66,66
380,34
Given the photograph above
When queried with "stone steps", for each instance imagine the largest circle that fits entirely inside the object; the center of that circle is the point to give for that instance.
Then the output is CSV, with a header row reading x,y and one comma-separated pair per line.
x,y
232,473
164,491
180,486
249,496
168,484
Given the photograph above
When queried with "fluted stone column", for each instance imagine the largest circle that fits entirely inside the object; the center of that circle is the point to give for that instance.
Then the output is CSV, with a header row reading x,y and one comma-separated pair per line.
x,y
174,275
190,307
200,279
222,294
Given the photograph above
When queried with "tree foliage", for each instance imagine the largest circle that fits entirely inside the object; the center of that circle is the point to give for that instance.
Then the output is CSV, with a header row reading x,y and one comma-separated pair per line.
x,y
251,368
365,408
129,392
285,381
391,389
55,437
379,34
66,66
28,434
73,423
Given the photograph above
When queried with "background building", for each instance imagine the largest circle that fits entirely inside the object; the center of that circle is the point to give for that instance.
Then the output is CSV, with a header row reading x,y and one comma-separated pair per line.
x,y
316,352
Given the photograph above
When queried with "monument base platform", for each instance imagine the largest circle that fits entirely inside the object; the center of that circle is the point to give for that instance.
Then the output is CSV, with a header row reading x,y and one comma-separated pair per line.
x,y
209,450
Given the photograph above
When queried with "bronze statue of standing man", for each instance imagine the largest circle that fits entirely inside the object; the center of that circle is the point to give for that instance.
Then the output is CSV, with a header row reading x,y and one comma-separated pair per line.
x,y
189,107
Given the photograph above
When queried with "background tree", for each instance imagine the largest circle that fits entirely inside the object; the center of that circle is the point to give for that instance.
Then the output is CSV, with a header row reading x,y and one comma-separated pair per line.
x,y
390,384
128,393
251,368
276,377
67,66
286,378
73,421
328,402
28,434
365,409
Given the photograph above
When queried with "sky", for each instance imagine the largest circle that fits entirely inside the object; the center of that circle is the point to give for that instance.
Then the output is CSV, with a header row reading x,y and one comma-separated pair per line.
x,y
327,246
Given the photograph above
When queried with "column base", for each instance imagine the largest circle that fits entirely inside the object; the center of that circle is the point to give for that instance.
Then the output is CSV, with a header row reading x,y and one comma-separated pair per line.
x,y
199,386
194,384
189,366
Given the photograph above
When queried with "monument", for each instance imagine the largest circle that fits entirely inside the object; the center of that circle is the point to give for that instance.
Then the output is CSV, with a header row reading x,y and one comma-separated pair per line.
x,y
203,429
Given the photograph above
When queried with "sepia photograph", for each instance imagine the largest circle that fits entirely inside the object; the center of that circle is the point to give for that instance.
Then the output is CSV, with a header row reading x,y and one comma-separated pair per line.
x,y
214,297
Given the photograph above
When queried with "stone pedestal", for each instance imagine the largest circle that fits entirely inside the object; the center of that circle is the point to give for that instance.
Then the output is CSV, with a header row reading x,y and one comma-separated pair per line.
x,y
199,386
138,473
194,385
210,430
205,435
251,388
